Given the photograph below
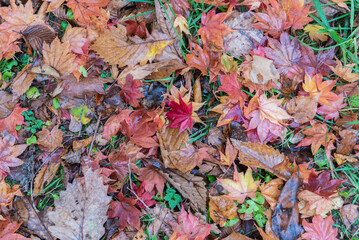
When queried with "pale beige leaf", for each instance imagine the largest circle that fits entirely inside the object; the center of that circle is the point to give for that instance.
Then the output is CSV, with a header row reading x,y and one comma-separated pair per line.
x,y
82,209
113,46
303,108
263,71
23,80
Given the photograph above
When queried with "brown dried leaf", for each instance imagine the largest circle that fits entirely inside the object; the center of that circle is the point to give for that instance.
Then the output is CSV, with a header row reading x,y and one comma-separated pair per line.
x,y
340,159
36,35
304,108
347,143
23,80
113,46
285,218
222,209
44,177
79,144
57,56
262,156
51,140
271,192
242,40
237,236
82,209
7,104
8,193
350,214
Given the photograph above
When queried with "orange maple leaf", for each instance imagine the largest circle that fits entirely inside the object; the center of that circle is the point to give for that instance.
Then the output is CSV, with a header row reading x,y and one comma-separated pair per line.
x,y
345,72
84,9
241,186
315,86
213,29
14,119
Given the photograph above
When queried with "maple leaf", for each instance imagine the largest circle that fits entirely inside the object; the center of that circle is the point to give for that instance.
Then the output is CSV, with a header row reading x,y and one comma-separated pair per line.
x,y
8,193
133,28
181,114
84,9
51,140
120,161
222,209
231,85
8,229
320,229
180,7
113,124
143,195
331,111
230,154
203,60
297,12
126,211
312,63
254,4
321,184
268,117
315,86
285,54
318,136
15,118
213,29
189,227
313,31
345,72
270,191
152,178
77,38
241,186
130,92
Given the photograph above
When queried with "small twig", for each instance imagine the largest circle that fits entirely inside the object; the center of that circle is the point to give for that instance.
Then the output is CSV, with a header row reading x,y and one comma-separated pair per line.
x,y
94,135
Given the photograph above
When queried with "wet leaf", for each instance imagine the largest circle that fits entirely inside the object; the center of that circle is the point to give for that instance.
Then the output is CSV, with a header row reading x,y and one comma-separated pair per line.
x,y
9,153
222,209
50,139
320,229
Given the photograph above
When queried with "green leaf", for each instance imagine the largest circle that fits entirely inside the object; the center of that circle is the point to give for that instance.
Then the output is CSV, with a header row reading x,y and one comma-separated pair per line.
x,y
81,112
70,14
259,198
31,140
32,93
231,222
56,103
83,71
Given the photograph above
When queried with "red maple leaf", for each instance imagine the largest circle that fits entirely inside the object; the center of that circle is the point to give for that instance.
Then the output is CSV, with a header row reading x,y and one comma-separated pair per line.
x,y
213,28
144,196
332,110
8,229
113,124
322,185
129,91
126,211
153,179
319,62
133,28
119,161
84,9
180,7
285,54
180,114
231,86
14,119
320,229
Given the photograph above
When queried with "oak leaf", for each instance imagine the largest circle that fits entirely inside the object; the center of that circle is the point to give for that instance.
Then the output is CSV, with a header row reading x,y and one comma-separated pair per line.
x,y
181,115
285,54
189,227
153,179
50,139
113,45
81,211
125,209
15,118
222,209
130,92
213,29
241,186
83,10
58,56
8,229
320,229
345,72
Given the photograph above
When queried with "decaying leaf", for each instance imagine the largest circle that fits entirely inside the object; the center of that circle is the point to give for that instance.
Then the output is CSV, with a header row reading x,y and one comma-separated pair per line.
x,y
45,176
270,191
319,229
350,214
8,193
81,211
263,71
304,108
9,153
7,104
50,139
262,156
285,219
222,209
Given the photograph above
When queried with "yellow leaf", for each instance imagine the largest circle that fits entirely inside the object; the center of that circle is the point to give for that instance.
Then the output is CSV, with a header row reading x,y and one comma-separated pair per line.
x,y
314,33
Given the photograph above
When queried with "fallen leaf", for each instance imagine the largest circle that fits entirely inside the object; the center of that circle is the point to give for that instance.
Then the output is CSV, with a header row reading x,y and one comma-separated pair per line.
x,y
285,219
350,214
262,156
345,72
316,63
7,104
36,35
77,38
181,24
130,92
229,155
50,140
23,80
83,10
340,159
81,211
241,186
145,196
44,177
181,115
15,118
8,193
8,229
304,108
331,111
80,144
263,71
322,185
347,143
270,191
241,40
320,229
9,153
222,209
126,211
153,178
314,34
